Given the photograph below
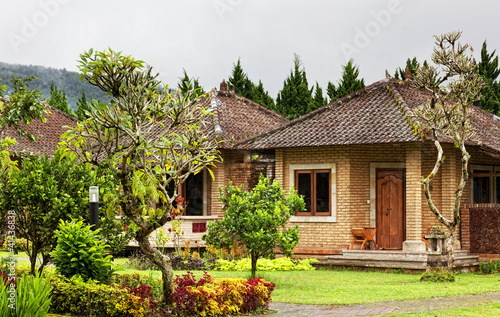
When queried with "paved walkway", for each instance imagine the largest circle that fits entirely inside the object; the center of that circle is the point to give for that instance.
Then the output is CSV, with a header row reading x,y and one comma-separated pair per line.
x,y
382,308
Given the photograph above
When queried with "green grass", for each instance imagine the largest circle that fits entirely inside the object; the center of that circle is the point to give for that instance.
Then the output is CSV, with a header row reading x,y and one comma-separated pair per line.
x,y
485,310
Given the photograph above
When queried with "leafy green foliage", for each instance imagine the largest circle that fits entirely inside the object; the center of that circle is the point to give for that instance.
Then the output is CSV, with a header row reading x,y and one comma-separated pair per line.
x,y
21,106
190,86
256,219
279,264
295,98
489,267
437,275
32,297
80,251
348,84
43,192
79,298
58,100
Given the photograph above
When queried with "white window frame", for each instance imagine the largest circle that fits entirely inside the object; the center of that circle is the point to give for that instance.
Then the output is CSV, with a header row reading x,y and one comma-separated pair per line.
x,y
333,195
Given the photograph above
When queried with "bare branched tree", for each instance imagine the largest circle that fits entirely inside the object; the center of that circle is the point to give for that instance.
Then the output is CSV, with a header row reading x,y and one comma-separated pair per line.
x,y
152,139
446,117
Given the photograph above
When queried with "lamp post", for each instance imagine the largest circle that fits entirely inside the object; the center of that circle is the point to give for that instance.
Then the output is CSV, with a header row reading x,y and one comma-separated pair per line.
x,y
94,207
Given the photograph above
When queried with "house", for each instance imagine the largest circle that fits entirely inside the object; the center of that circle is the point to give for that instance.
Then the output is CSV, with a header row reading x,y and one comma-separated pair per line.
x,y
358,163
235,119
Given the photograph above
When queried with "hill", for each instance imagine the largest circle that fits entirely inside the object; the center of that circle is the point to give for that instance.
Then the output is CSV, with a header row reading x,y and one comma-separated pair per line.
x,y
63,79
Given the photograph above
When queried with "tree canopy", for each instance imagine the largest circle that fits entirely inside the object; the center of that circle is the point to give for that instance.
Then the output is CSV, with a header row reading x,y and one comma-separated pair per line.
x,y
151,138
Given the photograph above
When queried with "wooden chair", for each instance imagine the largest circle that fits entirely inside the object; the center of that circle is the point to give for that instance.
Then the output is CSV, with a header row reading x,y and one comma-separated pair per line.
x,y
424,239
363,236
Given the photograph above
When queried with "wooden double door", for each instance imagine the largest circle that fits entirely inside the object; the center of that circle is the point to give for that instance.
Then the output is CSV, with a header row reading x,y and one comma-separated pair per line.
x,y
391,215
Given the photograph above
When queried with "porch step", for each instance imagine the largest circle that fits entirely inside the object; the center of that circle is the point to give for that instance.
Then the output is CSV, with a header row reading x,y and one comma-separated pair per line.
x,y
397,260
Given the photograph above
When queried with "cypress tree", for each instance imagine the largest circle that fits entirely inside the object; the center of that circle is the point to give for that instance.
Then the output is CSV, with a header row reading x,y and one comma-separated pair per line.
x,y
58,99
411,64
348,84
192,85
295,99
261,96
239,80
319,100
488,68
82,107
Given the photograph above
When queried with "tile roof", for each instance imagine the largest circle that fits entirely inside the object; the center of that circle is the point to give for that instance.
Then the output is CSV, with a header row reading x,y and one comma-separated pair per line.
x,y
48,133
375,114
237,118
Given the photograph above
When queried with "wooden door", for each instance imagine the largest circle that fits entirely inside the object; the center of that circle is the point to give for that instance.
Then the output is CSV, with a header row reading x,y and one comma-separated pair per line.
x,y
390,208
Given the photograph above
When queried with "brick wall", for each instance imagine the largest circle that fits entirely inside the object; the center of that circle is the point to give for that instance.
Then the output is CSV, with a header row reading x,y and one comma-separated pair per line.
x,y
481,228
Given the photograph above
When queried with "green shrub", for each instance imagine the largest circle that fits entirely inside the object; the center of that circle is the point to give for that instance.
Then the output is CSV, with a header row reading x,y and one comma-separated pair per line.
x,y
280,264
19,245
437,275
136,280
32,297
80,251
76,297
489,267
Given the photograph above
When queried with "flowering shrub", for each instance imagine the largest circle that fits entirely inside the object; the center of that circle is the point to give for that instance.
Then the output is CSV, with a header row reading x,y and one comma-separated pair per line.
x,y
209,297
135,280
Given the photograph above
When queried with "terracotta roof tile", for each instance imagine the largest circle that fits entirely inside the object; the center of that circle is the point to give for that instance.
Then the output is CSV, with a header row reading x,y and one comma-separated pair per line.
x,y
375,114
48,133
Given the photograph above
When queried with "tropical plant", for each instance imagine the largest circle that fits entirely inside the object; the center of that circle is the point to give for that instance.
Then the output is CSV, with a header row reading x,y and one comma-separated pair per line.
x,y
256,219
150,137
31,297
80,251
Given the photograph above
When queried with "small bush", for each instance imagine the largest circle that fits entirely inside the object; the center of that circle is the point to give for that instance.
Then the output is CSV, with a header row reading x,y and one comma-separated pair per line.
x,y
80,251
32,297
280,264
489,267
76,297
179,262
136,280
437,275
209,297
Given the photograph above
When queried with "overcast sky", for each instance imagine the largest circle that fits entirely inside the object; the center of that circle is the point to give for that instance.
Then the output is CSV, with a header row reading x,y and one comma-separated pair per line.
x,y
206,37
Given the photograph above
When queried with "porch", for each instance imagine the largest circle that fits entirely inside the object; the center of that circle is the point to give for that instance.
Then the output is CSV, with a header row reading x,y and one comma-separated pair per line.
x,y
406,260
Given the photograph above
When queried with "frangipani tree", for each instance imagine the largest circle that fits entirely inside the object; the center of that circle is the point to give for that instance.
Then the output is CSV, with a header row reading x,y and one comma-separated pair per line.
x,y
152,139
446,117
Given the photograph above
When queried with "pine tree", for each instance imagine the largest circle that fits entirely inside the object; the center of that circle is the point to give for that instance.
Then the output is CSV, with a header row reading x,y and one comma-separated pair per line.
x,y
411,64
488,68
295,99
348,84
239,80
261,96
83,107
192,85
319,100
58,99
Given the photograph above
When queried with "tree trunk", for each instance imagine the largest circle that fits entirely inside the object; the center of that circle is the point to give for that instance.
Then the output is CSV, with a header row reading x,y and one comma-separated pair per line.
x,y
449,245
255,257
162,261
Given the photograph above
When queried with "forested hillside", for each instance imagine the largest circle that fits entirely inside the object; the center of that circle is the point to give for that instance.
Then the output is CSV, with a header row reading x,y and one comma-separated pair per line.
x,y
63,79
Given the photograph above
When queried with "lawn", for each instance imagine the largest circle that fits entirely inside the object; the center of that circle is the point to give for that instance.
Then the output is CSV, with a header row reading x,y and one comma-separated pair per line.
x,y
343,287
340,287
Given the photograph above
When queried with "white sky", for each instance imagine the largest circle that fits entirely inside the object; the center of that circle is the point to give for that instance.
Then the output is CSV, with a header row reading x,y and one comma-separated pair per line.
x,y
207,36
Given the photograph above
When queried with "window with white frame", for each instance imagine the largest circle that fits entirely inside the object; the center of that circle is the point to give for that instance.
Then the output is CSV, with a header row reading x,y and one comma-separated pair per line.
x,y
316,183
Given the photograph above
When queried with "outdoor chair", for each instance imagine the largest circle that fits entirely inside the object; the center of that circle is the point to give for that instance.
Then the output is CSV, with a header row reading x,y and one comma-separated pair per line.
x,y
363,236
